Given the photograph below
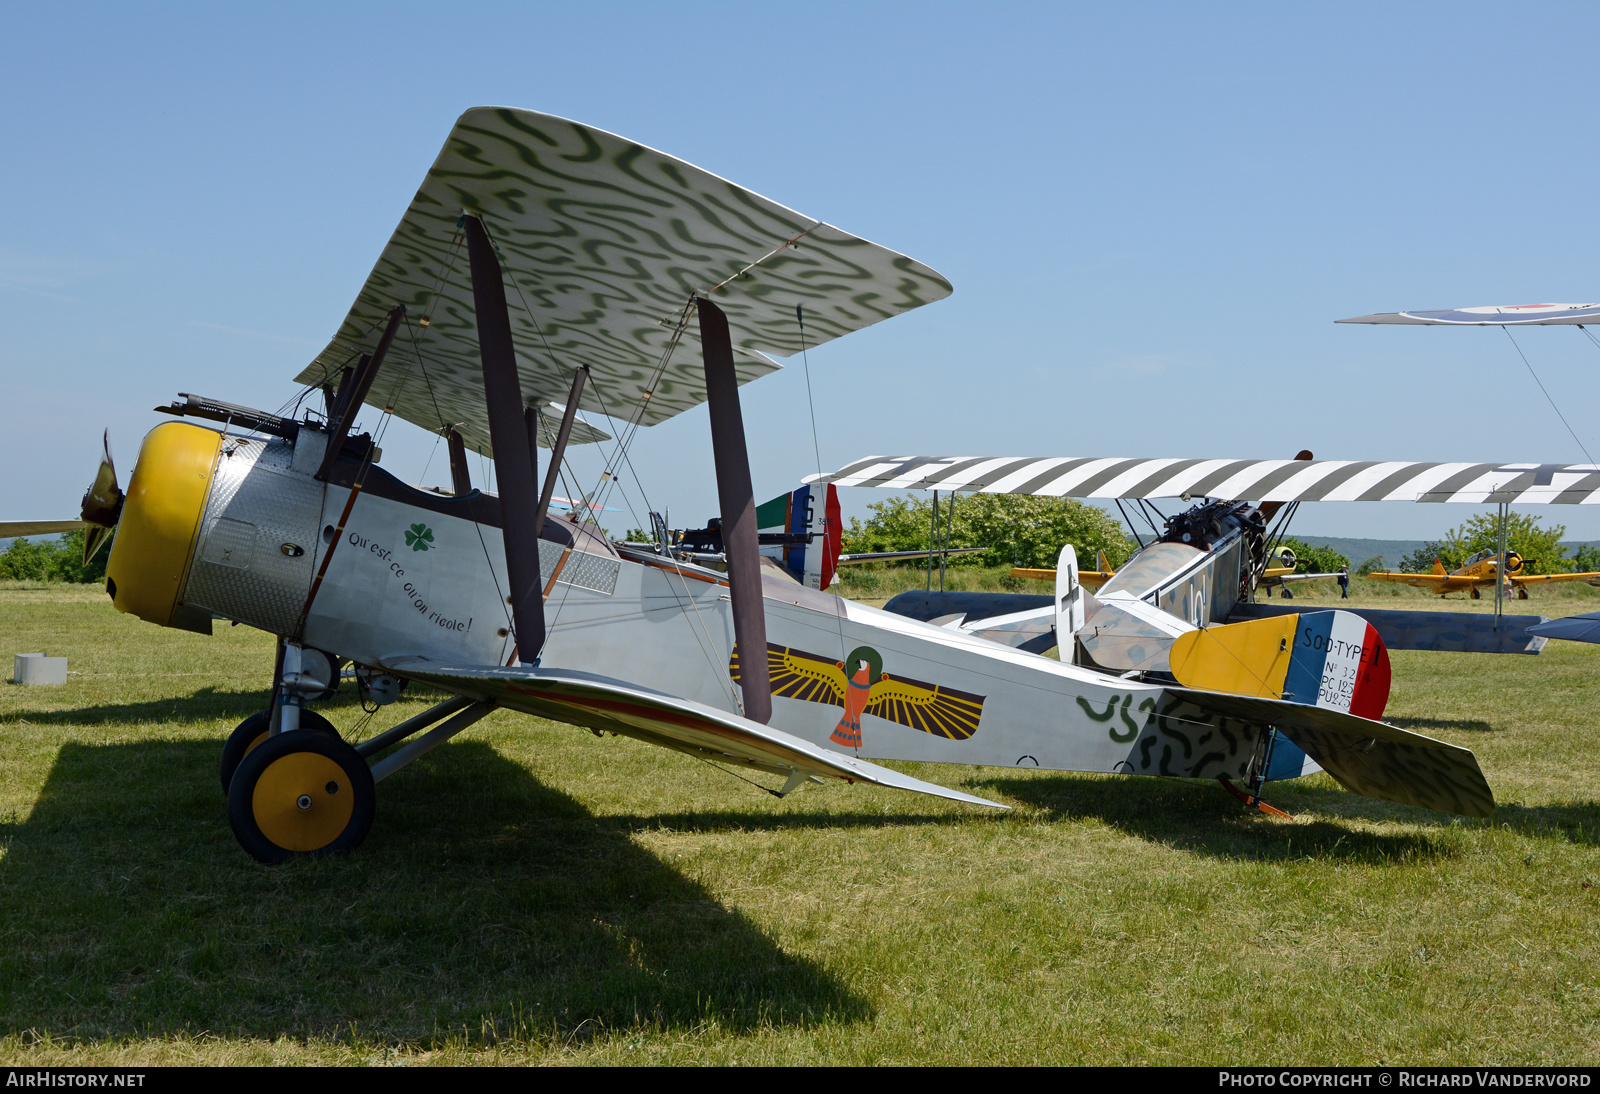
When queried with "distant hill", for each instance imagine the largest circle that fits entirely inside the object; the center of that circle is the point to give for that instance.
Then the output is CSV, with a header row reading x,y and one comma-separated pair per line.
x,y
1390,550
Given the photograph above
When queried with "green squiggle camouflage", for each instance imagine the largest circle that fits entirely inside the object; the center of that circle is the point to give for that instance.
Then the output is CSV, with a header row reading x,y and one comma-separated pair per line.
x,y
607,241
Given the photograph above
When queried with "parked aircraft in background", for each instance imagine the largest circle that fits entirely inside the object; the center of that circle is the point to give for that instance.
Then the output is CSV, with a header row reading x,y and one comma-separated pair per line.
x,y
1480,571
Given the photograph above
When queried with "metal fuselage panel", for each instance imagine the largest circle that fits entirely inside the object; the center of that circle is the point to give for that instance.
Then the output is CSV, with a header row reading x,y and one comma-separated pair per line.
x,y
256,552
406,582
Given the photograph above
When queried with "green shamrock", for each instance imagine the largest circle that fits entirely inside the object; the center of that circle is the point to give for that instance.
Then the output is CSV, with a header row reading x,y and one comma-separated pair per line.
x,y
419,537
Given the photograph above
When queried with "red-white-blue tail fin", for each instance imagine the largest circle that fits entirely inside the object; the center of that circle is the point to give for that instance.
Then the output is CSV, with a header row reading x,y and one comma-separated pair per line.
x,y
802,531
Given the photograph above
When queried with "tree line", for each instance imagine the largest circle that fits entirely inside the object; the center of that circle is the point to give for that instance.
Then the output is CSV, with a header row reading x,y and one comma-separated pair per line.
x,y
52,560
1029,531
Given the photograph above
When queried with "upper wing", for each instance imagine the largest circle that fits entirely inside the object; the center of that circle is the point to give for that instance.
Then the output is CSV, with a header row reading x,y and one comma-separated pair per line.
x,y
549,428
941,711
1494,315
1257,480
603,242
605,704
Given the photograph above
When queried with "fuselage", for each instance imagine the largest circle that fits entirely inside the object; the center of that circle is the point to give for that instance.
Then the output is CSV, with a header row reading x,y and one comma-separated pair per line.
x,y
416,573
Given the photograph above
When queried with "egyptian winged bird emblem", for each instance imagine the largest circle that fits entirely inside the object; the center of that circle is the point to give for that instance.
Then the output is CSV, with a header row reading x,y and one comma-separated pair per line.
x,y
860,686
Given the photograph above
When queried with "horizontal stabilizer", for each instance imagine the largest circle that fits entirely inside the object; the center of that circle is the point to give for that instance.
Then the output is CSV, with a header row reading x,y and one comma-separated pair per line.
x,y
601,703
1364,756
1252,480
1440,632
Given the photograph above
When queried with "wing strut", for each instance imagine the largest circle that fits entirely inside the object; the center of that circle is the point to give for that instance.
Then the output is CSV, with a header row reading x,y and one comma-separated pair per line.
x,y
460,473
514,459
579,375
736,497
353,392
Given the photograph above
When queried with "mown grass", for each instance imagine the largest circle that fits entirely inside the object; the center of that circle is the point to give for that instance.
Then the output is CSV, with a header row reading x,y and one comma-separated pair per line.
x,y
532,894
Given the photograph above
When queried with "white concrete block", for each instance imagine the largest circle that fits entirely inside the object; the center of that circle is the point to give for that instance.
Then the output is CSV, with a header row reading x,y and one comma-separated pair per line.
x,y
36,668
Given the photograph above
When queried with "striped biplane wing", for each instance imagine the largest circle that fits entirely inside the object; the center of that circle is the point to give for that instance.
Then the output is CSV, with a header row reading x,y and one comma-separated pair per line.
x,y
1256,480
603,243
1494,315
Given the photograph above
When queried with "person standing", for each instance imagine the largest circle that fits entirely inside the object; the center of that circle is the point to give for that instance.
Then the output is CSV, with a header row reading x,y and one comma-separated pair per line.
x,y
1344,583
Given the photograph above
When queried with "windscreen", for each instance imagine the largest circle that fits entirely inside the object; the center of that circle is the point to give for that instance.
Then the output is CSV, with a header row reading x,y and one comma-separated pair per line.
x,y
1150,568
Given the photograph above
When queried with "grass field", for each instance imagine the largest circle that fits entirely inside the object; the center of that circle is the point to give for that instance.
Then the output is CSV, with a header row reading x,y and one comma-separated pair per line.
x,y
532,894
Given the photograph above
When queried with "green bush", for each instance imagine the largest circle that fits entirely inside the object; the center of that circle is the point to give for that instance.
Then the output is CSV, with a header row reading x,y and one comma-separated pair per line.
x,y
1017,530
1314,560
53,560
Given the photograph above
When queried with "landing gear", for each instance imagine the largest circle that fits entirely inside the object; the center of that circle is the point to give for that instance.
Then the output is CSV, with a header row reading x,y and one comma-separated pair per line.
x,y
1476,595
301,794
1256,776
253,730
1522,594
302,791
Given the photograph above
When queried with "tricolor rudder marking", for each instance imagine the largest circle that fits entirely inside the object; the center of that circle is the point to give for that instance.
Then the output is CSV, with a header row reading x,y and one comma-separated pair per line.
x,y
1338,662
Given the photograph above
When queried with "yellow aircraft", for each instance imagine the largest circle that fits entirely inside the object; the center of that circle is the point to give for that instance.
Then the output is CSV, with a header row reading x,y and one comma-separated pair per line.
x,y
1480,570
1095,578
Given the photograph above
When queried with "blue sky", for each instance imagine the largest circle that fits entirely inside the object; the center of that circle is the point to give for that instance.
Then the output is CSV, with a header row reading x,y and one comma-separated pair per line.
x,y
1151,214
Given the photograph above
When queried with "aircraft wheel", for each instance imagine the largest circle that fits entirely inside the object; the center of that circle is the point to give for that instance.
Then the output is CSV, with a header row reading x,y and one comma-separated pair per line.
x,y
301,795
1522,594
1476,595
253,730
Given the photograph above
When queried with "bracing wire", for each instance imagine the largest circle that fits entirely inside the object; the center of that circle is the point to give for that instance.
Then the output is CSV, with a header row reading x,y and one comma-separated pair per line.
x,y
1552,402
1129,522
805,357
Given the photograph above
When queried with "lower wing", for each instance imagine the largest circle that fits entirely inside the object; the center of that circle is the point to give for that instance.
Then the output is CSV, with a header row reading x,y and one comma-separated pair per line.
x,y
1368,757
1437,582
601,703
1092,578
1533,578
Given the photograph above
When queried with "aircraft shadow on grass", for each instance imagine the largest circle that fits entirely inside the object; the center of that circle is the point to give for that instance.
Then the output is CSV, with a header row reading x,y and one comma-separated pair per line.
x,y
484,903
1206,820
1425,726
1577,822
204,705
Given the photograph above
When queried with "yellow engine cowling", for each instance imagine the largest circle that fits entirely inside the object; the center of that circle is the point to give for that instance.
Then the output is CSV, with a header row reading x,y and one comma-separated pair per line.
x,y
160,524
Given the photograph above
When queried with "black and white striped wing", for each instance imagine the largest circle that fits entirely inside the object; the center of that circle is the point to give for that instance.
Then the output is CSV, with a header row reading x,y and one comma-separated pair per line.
x,y
1256,480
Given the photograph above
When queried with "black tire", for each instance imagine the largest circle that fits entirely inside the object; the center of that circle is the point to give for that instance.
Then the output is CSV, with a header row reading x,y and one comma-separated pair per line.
x,y
1476,595
301,795
253,730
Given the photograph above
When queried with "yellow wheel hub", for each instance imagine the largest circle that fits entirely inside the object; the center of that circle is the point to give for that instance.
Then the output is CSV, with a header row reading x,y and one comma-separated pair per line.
x,y
303,801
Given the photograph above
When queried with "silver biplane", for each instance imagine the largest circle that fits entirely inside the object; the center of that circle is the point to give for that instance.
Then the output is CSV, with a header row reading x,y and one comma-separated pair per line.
x,y
545,264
